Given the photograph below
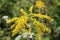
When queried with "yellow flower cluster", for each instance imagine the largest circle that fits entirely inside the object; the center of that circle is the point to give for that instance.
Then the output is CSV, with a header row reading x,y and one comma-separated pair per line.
x,y
22,11
43,16
12,20
22,21
31,8
40,28
40,4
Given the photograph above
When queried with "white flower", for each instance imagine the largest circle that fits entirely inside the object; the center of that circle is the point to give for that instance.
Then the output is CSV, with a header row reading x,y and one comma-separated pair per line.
x,y
18,37
4,17
31,34
25,35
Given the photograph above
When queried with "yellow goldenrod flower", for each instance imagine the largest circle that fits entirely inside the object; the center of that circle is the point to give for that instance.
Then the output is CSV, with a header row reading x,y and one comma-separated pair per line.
x,y
41,26
21,24
40,4
12,20
38,15
22,11
39,36
43,16
22,21
12,26
31,9
49,18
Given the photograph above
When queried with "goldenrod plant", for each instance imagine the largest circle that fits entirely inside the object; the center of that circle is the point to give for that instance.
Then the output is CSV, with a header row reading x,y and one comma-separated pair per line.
x,y
40,4
24,23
